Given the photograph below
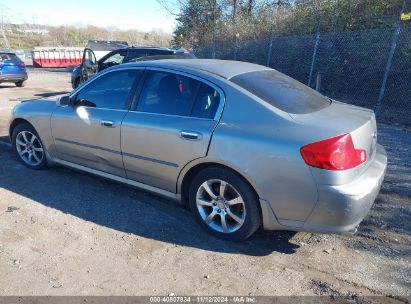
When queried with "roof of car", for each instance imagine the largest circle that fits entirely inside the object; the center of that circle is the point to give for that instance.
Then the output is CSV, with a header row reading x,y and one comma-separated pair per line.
x,y
224,68
144,47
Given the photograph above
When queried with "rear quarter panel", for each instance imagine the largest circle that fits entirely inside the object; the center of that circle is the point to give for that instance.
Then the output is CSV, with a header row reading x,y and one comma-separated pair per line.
x,y
338,119
263,144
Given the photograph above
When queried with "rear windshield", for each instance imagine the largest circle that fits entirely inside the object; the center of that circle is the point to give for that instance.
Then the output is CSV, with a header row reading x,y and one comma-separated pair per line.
x,y
281,91
8,57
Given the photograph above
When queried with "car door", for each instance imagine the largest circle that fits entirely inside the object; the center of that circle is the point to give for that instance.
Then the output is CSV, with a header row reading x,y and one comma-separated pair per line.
x,y
170,125
87,133
89,65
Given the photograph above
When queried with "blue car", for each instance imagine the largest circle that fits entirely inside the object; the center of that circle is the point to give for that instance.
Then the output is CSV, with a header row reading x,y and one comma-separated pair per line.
x,y
12,69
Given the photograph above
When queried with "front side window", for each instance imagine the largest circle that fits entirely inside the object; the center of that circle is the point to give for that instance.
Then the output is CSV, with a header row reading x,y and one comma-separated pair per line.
x,y
109,91
174,94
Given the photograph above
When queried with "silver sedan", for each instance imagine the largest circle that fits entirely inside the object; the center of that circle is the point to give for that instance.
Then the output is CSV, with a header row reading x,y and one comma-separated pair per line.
x,y
242,144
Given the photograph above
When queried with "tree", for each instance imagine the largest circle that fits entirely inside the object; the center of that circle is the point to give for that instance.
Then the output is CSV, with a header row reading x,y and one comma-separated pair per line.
x,y
203,22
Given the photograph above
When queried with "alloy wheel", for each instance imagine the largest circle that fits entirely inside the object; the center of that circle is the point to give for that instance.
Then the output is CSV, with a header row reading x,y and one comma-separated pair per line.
x,y
29,148
220,206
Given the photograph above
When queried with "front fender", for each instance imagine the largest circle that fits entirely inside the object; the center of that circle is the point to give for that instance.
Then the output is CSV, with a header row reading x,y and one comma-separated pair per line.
x,y
37,113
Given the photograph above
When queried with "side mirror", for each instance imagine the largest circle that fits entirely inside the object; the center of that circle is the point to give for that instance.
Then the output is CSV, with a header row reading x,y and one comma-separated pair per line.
x,y
63,101
85,103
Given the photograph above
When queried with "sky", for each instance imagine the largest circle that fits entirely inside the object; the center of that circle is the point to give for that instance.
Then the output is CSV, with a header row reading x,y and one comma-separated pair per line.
x,y
142,15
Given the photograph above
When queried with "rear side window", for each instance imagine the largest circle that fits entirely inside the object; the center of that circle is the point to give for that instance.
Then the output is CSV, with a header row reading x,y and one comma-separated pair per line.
x,y
8,57
185,55
281,91
133,54
159,52
206,102
175,94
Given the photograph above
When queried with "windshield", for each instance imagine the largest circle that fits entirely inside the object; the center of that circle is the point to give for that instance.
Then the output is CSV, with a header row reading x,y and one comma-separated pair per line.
x,y
281,91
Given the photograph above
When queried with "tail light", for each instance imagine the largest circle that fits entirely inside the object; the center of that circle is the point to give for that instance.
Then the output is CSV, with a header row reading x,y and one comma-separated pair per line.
x,y
337,153
22,64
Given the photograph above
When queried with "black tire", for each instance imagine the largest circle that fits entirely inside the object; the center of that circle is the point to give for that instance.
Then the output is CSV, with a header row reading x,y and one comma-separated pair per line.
x,y
20,84
27,127
253,217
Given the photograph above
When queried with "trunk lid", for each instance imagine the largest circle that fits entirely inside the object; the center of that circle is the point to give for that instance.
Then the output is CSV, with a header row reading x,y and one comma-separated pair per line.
x,y
340,118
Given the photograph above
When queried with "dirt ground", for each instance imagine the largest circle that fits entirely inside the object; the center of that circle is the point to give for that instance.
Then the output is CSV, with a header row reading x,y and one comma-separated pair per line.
x,y
68,233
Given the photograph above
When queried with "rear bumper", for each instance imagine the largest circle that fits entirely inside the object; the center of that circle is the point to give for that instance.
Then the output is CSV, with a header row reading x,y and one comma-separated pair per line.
x,y
13,77
342,208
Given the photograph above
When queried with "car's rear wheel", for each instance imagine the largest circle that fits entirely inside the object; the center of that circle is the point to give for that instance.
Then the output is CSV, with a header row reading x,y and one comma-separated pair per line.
x,y
224,204
28,146
20,84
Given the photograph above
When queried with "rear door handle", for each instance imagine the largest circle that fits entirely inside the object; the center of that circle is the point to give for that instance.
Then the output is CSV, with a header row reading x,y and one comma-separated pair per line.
x,y
191,135
108,123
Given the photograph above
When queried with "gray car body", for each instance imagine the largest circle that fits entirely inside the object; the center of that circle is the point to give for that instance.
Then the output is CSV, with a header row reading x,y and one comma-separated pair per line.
x,y
248,135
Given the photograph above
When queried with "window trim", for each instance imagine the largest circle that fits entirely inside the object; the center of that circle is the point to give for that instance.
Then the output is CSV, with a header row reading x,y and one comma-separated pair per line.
x,y
137,96
131,94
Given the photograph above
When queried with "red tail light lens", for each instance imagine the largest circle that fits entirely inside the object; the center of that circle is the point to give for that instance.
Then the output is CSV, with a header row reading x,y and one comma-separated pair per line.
x,y
337,153
21,64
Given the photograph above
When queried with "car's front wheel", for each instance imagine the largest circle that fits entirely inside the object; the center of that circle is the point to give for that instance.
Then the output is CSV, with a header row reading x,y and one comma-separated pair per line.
x,y
224,204
28,146
20,84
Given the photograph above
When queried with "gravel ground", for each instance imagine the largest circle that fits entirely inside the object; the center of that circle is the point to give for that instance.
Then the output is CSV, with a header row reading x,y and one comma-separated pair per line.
x,y
68,233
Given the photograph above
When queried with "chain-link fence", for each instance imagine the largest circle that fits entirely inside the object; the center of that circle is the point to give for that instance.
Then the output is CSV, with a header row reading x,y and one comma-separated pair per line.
x,y
354,66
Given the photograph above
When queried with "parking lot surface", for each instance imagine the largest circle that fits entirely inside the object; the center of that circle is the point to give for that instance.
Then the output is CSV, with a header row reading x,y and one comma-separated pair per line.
x,y
64,232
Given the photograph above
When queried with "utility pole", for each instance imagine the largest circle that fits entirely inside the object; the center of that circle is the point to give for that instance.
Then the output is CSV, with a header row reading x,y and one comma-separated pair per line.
x,y
6,43
317,41
397,30
278,5
214,3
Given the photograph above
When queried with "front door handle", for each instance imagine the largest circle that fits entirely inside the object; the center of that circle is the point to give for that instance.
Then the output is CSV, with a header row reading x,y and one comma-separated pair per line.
x,y
108,123
191,135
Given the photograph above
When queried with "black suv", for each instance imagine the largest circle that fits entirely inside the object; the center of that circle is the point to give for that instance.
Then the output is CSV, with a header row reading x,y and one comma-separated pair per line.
x,y
90,66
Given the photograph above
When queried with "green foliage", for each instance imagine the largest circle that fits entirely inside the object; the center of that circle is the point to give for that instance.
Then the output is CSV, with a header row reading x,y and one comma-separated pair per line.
x,y
234,19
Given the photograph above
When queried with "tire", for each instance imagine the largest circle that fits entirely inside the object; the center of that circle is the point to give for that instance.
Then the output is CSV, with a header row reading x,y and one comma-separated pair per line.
x,y
20,84
22,133
225,205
